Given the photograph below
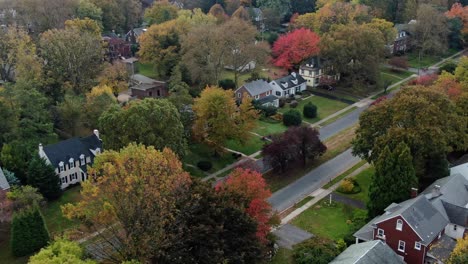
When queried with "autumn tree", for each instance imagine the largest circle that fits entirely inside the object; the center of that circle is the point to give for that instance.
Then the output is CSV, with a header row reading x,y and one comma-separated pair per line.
x,y
460,12
153,122
280,154
421,117
133,194
292,49
431,30
115,76
393,179
98,100
385,27
241,13
24,197
160,11
254,192
307,142
217,118
354,51
218,11
460,253
61,251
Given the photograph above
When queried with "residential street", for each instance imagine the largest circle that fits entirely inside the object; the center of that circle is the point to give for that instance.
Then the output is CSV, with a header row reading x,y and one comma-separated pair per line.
x,y
341,124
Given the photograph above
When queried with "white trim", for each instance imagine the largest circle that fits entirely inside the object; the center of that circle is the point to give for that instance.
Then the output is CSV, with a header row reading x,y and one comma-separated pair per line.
x,y
399,224
404,245
403,219
417,245
383,233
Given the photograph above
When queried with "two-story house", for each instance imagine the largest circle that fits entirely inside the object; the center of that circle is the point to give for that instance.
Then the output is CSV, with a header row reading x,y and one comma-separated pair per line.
x,y
144,87
134,34
402,41
288,85
259,90
372,252
313,71
71,157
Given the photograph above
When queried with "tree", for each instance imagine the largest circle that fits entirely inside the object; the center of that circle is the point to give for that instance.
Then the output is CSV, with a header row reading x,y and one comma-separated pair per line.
x,y
431,30
421,117
315,250
279,154
461,72
12,180
253,190
385,27
292,118
310,110
217,117
388,9
460,12
85,25
354,51
460,254
43,177
241,13
28,232
160,11
292,49
61,251
86,9
73,57
398,63
282,6
307,142
179,96
71,115
218,11
153,122
24,197
119,15
302,6
115,76
138,188
98,100
393,179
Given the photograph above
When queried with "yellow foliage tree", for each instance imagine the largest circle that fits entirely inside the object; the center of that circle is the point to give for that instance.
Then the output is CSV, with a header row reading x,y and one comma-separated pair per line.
x,y
460,253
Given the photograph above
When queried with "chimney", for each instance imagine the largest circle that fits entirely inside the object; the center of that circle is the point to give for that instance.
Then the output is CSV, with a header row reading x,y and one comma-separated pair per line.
x,y
436,191
96,132
414,192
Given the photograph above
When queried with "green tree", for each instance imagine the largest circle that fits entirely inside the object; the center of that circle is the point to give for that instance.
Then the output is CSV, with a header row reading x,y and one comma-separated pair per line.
x,y
86,9
292,118
160,11
315,250
43,177
393,179
180,97
28,232
61,251
70,112
24,197
153,122
282,6
98,100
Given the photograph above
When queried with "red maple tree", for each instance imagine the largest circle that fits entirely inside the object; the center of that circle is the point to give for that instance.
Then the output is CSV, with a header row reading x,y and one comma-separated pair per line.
x,y
292,49
251,186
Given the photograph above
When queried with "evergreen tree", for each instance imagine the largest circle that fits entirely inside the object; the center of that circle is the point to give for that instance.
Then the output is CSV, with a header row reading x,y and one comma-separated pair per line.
x,y
42,176
394,176
28,232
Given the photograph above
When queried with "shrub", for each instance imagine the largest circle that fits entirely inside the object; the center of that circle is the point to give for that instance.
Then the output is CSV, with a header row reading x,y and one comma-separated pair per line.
x,y
346,186
292,118
227,84
204,165
449,67
316,250
293,104
310,110
277,117
282,102
268,110
28,232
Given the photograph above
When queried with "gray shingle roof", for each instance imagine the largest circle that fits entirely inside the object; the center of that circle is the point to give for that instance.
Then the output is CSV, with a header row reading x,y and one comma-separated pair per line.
x,y
72,148
312,63
372,252
4,185
290,79
442,249
257,87
267,99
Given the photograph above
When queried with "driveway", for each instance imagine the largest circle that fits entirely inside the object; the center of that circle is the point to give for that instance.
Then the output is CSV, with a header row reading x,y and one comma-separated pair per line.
x,y
289,235
294,192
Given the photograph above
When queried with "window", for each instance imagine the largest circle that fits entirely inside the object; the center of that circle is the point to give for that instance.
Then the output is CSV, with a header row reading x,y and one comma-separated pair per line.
x,y
278,93
257,97
268,93
71,177
82,160
401,246
71,163
454,227
63,180
417,245
239,95
399,224
61,167
158,92
380,233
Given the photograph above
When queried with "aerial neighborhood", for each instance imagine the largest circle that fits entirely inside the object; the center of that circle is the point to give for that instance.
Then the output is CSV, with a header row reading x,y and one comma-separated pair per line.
x,y
233,131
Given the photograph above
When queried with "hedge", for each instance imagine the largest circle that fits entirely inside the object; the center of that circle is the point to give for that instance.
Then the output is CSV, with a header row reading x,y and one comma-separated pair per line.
x,y
292,118
28,232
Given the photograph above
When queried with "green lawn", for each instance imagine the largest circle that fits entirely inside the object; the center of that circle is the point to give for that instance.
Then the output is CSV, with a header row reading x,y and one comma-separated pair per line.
x,y
241,77
344,174
283,256
427,60
198,152
146,69
253,145
333,119
325,107
364,180
267,127
399,73
325,220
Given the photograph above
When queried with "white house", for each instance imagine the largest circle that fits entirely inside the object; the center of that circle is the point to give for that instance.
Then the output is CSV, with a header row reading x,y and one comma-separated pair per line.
x,y
312,70
71,157
288,85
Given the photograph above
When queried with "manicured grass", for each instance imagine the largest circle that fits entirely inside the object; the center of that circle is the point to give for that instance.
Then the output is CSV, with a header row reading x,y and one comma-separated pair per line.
x,y
283,256
241,77
146,69
253,145
194,171
343,175
388,78
303,202
198,152
325,107
331,120
326,220
364,180
399,73
269,127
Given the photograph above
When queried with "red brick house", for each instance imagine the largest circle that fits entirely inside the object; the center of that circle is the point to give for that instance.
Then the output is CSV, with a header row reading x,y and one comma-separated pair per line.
x,y
258,90
144,87
116,48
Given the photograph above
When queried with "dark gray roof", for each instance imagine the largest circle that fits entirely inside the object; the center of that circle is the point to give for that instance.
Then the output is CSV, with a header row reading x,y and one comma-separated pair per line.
x,y
4,185
456,214
257,87
141,82
372,252
267,99
72,148
312,63
291,80
442,249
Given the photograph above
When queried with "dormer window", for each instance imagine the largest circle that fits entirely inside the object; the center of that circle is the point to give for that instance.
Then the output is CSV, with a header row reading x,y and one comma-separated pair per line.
x,y
82,160
71,163
294,81
61,166
284,84
399,224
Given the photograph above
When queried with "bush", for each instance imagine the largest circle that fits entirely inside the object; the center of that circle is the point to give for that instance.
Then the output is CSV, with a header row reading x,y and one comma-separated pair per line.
x,y
316,250
310,110
204,165
293,104
267,110
227,84
28,232
449,67
349,186
282,102
292,118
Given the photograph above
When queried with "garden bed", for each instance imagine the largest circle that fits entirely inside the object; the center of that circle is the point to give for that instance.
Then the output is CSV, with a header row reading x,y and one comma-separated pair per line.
x,y
363,179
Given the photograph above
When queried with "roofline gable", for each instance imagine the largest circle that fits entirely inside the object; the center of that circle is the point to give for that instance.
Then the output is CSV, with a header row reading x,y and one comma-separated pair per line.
x,y
406,221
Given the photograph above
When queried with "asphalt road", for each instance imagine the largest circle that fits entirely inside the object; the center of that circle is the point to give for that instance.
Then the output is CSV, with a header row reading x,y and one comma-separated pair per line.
x,y
296,191
341,124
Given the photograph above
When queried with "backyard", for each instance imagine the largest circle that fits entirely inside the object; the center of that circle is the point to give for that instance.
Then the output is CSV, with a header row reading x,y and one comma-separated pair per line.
x,y
325,107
